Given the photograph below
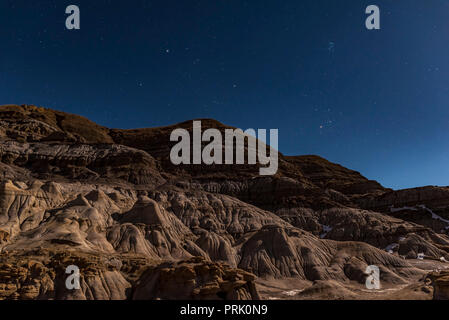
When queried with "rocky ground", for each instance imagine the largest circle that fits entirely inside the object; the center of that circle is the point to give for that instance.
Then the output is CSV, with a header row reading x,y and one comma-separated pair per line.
x,y
110,202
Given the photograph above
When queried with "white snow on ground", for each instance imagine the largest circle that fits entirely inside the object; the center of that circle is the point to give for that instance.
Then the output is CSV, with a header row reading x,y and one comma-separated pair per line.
x,y
443,259
391,247
402,209
434,215
326,230
291,293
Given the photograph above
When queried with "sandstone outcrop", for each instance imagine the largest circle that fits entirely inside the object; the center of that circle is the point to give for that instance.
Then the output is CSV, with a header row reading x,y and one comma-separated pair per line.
x,y
195,279
440,283
110,202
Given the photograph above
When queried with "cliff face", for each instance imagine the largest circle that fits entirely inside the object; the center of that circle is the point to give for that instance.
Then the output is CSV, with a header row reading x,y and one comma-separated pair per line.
x,y
74,192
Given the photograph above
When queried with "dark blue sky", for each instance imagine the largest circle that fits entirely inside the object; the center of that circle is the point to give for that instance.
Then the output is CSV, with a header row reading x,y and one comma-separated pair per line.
x,y
373,101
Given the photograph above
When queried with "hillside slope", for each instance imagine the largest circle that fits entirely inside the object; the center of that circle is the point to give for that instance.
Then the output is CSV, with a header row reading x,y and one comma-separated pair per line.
x,y
110,201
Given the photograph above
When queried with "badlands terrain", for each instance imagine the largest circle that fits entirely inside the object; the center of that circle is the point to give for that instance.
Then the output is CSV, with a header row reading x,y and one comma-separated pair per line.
x,y
110,202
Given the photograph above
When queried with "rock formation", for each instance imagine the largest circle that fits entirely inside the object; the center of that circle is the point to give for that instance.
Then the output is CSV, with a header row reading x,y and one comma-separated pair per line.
x,y
110,202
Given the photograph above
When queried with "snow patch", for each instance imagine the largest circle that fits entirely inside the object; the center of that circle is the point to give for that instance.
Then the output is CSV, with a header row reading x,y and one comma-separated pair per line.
x,y
434,215
390,248
392,209
291,293
326,230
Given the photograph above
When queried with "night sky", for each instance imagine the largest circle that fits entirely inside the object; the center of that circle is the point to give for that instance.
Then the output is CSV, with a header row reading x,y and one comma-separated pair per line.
x,y
373,101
